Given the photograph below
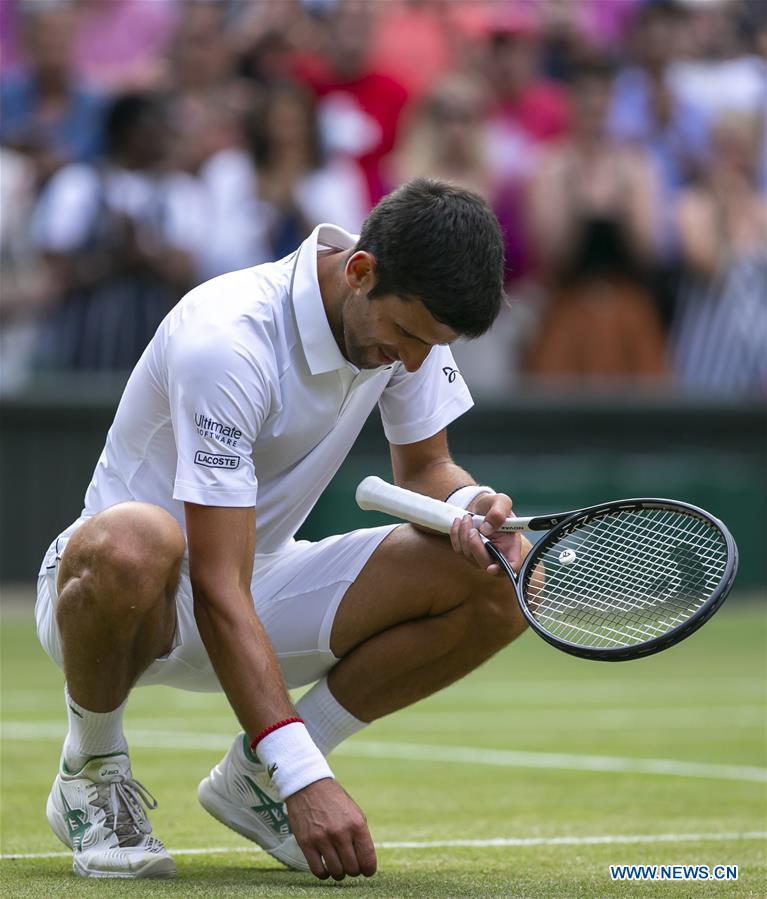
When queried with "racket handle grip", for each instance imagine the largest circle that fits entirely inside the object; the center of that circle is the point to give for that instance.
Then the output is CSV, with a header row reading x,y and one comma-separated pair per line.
x,y
375,494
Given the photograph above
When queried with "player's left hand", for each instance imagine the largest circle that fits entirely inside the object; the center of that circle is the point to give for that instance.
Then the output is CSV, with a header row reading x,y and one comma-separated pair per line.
x,y
496,508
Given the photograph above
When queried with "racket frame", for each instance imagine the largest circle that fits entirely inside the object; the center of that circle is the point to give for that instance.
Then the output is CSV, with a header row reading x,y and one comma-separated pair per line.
x,y
374,493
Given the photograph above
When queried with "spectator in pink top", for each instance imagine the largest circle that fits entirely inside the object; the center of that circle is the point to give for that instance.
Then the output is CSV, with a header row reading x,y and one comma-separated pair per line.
x,y
411,43
120,43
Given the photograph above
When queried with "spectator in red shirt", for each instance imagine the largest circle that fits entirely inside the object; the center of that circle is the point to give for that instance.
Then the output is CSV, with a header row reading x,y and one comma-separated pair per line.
x,y
359,109
523,97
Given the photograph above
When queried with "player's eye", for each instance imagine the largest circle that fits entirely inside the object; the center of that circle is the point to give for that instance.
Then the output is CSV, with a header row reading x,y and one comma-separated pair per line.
x,y
409,335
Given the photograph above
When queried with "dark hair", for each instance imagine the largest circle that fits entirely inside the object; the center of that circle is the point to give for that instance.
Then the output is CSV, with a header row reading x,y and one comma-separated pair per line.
x,y
441,244
124,114
667,10
592,67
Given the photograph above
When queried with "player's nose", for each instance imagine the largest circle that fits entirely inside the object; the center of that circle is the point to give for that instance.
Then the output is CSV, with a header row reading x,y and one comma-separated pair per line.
x,y
413,359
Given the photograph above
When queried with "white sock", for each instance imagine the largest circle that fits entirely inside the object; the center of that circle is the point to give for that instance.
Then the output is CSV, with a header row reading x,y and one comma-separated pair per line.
x,y
327,721
92,733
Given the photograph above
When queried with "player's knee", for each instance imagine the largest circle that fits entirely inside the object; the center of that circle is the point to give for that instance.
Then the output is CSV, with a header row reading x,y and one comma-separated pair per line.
x,y
130,551
140,545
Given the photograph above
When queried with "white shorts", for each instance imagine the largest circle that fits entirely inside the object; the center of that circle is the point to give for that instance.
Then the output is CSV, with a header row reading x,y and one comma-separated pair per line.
x,y
296,592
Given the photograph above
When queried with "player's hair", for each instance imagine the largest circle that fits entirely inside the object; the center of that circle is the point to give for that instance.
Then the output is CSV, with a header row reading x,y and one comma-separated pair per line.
x,y
441,244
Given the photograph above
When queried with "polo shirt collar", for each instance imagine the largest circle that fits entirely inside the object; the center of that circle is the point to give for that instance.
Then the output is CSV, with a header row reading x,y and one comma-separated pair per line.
x,y
320,347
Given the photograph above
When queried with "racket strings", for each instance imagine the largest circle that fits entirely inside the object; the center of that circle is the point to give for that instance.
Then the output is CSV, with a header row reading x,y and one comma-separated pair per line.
x,y
635,575
634,561
628,575
625,577
671,536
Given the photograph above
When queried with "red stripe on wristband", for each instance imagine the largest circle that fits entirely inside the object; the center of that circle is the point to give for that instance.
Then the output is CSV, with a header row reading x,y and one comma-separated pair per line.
x,y
272,728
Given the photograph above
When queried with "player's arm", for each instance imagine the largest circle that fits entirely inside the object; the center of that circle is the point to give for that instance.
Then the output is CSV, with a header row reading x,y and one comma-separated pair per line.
x,y
326,822
426,467
221,549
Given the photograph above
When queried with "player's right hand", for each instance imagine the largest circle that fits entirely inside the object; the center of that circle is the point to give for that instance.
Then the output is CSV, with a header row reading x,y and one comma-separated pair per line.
x,y
332,831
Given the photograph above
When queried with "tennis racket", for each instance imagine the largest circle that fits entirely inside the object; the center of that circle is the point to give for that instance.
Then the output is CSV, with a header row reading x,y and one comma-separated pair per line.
x,y
615,581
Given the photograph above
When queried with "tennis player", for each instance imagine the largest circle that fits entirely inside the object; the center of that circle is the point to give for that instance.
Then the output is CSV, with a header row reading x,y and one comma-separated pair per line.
x,y
182,568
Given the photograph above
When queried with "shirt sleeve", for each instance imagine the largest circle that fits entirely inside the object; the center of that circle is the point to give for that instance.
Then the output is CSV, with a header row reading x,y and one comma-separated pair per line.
x,y
419,404
219,400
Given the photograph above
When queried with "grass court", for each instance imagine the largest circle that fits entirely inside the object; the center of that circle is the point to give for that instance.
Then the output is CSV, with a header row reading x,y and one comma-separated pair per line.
x,y
527,779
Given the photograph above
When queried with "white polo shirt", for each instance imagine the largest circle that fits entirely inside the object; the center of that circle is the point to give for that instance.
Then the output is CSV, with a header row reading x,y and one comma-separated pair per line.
x,y
243,398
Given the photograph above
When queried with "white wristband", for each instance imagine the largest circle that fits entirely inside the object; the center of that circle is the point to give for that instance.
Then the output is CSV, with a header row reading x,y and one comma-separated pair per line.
x,y
291,759
465,496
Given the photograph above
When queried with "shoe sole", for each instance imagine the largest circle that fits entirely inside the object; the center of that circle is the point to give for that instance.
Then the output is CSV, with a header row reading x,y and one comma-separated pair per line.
x,y
156,869
235,819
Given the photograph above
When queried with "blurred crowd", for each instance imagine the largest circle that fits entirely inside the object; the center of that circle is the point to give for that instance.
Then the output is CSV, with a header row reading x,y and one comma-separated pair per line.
x,y
147,145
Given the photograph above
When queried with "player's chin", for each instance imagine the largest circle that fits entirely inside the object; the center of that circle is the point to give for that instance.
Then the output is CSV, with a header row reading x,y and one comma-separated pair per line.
x,y
373,358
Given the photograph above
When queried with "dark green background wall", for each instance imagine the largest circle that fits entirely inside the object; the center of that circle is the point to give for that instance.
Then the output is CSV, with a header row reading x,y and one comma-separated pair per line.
x,y
550,452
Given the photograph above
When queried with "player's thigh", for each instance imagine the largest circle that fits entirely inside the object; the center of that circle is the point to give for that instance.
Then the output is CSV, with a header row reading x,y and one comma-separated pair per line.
x,y
297,591
411,575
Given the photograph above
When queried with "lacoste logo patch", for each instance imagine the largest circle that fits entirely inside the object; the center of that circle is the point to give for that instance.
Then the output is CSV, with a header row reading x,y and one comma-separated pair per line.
x,y
216,460
450,373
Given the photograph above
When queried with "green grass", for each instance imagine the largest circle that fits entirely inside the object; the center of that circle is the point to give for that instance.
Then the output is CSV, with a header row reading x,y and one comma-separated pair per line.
x,y
702,702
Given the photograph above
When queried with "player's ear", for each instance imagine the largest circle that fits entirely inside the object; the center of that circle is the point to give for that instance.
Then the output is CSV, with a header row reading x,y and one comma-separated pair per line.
x,y
361,271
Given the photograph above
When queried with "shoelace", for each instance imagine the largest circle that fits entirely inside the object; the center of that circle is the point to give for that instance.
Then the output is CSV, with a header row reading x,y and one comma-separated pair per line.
x,y
126,799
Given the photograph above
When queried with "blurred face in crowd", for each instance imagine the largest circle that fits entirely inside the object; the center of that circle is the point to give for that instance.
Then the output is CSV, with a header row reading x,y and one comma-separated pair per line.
x,y
760,40
712,31
348,38
200,126
736,142
49,40
591,95
456,114
145,143
287,120
658,37
200,54
285,130
512,62
455,122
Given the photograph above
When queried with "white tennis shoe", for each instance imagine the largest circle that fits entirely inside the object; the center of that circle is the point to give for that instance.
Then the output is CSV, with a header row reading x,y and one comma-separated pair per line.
x,y
99,813
239,794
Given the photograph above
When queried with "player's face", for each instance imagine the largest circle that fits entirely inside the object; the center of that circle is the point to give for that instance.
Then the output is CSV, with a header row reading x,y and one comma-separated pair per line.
x,y
385,329
388,329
